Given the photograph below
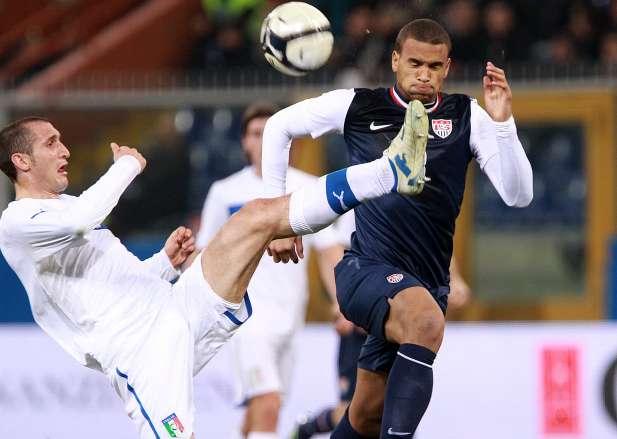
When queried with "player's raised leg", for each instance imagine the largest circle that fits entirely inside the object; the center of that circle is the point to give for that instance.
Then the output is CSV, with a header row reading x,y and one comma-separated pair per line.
x,y
230,259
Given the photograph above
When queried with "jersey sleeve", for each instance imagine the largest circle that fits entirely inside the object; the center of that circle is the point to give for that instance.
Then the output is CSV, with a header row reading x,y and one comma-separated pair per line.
x,y
213,215
49,231
160,265
498,151
315,117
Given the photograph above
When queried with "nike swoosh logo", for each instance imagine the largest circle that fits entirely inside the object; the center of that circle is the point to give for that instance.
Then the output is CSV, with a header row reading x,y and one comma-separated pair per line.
x,y
38,213
374,127
397,433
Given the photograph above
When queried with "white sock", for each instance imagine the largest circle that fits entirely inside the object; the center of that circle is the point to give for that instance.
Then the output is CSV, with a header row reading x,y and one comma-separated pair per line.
x,y
316,206
261,435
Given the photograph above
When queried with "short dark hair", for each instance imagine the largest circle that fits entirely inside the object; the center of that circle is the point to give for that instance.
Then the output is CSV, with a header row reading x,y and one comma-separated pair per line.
x,y
256,111
424,30
16,137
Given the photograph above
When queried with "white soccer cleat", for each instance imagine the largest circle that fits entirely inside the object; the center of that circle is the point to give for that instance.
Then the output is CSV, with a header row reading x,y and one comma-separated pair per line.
x,y
407,151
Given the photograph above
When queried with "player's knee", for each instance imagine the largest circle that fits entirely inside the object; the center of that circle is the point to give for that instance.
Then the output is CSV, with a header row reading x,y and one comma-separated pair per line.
x,y
428,330
415,318
261,214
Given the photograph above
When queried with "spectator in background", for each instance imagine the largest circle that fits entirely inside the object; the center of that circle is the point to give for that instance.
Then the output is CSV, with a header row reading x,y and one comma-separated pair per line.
x,y
462,22
611,17
581,29
350,47
608,48
504,42
366,45
336,12
226,46
249,13
562,50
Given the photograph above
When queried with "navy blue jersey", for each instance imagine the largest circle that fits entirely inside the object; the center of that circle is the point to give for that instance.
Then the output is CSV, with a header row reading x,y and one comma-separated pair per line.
x,y
413,233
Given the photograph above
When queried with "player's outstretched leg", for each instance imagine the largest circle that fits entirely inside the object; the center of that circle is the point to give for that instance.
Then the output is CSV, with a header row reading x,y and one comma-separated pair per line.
x,y
230,259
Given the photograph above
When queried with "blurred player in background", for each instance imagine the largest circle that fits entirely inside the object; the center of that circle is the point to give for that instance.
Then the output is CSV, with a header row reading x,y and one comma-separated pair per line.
x,y
263,352
351,340
121,316
394,282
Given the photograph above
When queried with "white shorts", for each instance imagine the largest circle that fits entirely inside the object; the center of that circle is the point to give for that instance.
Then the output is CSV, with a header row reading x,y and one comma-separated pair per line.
x,y
156,384
263,357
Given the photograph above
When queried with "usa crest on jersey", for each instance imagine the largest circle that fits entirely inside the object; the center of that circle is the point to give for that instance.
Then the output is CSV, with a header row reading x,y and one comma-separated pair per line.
x,y
442,127
394,278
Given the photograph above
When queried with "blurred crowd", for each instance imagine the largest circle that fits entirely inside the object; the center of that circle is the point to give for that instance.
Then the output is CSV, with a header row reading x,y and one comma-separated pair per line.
x,y
505,31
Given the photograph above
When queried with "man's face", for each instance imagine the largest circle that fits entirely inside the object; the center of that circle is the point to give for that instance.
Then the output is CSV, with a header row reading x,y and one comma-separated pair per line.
x,y
420,69
251,141
47,164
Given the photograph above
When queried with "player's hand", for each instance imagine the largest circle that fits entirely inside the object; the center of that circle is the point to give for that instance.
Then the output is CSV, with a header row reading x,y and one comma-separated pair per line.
x,y
286,249
460,293
497,93
179,246
120,151
341,324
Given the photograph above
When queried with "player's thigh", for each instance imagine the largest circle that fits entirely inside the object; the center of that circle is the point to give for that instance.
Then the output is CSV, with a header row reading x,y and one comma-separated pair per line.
x,y
156,383
256,362
363,287
211,322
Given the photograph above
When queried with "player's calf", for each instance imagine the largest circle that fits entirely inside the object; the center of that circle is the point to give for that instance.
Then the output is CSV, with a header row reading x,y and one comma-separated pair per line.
x,y
416,322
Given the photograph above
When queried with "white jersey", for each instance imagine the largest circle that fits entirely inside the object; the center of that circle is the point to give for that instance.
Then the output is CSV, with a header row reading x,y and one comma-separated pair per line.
x,y
273,285
85,288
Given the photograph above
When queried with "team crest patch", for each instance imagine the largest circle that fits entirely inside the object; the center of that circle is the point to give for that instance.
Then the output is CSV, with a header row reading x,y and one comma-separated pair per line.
x,y
442,127
173,425
394,278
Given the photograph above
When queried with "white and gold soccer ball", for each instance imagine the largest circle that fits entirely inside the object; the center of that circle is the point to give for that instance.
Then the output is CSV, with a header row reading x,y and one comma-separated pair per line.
x,y
296,38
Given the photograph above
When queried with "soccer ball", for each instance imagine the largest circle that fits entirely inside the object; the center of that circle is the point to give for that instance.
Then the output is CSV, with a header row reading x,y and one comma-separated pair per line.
x,y
296,38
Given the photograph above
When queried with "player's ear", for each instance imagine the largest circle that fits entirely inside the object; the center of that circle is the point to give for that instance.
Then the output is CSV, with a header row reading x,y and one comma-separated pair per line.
x,y
447,67
395,58
21,161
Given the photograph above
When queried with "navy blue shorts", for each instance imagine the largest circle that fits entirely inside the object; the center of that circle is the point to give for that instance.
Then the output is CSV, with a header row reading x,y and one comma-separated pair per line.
x,y
348,354
363,287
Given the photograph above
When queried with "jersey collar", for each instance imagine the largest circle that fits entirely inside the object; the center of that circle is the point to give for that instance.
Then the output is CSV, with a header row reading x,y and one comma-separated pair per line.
x,y
398,100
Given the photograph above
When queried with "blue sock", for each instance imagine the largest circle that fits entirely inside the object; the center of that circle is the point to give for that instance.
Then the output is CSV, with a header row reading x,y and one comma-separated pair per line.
x,y
344,430
408,392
